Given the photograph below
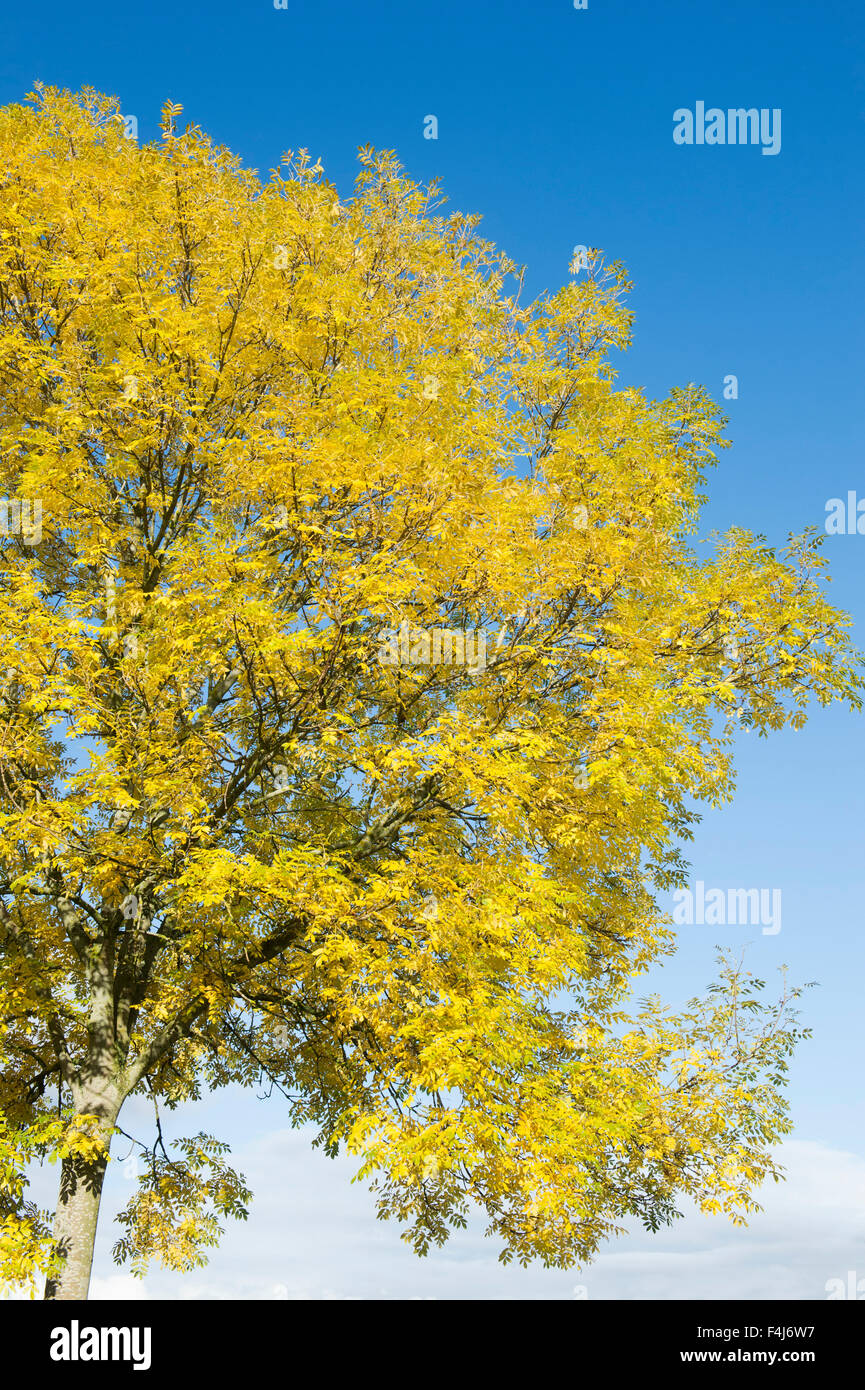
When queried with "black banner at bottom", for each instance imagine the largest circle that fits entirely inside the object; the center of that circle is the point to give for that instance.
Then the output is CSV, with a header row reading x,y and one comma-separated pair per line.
x,y
81,1340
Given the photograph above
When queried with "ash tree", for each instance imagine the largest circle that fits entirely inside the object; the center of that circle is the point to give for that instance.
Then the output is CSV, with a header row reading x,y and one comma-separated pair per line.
x,y
254,432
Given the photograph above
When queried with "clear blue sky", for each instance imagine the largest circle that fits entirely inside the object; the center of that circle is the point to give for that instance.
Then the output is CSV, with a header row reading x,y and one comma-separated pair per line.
x,y
556,125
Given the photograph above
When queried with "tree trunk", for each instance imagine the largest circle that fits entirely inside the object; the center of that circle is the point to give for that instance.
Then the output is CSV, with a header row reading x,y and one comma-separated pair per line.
x,y
78,1208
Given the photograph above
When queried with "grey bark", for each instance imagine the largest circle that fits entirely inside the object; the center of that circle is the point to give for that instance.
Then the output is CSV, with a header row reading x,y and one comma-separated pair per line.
x,y
78,1203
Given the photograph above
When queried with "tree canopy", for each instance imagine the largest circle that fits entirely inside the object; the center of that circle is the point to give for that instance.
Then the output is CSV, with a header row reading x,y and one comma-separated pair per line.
x,y
258,818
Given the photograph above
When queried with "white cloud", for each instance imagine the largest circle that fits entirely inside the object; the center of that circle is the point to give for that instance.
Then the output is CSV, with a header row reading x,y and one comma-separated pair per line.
x,y
312,1234
119,1286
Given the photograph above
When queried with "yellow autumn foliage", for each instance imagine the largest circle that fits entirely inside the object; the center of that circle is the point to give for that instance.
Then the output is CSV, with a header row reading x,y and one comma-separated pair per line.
x,y
282,445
